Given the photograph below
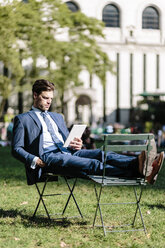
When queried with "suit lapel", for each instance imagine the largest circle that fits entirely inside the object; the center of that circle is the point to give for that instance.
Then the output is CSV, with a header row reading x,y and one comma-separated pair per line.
x,y
35,118
38,123
54,117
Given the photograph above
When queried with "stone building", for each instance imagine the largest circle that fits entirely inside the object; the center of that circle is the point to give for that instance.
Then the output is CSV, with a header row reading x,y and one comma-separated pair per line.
x,y
135,41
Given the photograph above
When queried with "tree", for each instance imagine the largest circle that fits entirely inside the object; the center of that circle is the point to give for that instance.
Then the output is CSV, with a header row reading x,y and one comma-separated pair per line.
x,y
80,51
47,29
30,33
8,55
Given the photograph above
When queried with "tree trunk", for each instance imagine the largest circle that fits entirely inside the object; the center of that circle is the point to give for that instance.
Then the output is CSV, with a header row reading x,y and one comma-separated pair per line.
x,y
2,106
20,102
62,102
4,103
104,102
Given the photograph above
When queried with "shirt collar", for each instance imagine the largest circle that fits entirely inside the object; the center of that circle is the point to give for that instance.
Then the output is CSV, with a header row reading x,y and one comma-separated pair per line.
x,y
38,110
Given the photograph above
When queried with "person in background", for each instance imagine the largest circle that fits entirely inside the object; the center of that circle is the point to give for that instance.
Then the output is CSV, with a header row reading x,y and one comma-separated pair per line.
x,y
88,141
10,131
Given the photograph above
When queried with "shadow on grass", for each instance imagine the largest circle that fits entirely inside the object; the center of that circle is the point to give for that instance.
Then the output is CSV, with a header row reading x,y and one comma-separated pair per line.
x,y
158,206
38,221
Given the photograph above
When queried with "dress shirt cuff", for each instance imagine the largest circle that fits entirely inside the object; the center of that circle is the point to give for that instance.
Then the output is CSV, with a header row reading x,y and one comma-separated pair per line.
x,y
33,164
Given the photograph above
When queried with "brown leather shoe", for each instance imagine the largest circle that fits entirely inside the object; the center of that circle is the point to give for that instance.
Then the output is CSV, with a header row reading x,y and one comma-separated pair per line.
x,y
156,166
141,158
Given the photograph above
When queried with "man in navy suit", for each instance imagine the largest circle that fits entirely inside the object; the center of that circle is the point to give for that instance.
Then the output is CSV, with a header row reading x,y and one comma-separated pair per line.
x,y
38,138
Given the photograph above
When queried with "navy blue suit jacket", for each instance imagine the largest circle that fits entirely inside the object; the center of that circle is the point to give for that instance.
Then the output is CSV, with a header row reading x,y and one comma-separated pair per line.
x,y
28,139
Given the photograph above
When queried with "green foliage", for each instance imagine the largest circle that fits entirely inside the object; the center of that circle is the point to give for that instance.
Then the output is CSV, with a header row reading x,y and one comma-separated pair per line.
x,y
47,29
5,86
8,54
8,49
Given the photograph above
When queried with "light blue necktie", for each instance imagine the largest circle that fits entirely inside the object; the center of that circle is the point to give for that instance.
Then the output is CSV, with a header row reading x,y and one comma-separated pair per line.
x,y
55,139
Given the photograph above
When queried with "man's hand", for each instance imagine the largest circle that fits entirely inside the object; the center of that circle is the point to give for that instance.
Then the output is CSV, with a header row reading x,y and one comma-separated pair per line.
x,y
76,144
40,163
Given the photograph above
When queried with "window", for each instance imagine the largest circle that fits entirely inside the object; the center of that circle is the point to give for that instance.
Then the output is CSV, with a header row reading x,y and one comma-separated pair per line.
x,y
111,16
150,18
72,6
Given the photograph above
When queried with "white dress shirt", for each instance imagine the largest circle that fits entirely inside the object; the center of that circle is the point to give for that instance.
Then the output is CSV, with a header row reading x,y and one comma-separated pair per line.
x,y
48,144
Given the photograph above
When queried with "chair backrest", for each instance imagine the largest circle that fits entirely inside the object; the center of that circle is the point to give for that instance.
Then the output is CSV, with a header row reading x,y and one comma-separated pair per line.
x,y
128,143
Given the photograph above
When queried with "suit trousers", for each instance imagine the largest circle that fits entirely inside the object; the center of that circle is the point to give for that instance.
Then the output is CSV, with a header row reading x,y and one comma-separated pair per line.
x,y
90,162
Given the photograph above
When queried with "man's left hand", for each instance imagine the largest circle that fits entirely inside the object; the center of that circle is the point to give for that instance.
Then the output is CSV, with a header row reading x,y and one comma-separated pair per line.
x,y
76,144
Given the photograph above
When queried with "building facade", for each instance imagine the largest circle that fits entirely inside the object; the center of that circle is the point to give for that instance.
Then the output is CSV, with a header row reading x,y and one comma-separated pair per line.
x,y
135,41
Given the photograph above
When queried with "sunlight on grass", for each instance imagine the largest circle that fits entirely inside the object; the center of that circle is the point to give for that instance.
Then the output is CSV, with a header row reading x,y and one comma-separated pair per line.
x,y
18,201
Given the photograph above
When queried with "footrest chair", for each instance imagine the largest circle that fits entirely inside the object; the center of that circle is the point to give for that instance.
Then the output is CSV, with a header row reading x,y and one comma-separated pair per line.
x,y
51,177
121,143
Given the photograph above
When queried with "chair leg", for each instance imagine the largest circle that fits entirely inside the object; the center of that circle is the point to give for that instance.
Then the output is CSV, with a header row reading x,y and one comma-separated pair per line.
x,y
138,199
98,197
41,199
71,194
41,194
98,208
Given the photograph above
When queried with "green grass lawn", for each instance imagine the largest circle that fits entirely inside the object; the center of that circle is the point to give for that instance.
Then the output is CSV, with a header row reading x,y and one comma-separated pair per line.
x,y
18,201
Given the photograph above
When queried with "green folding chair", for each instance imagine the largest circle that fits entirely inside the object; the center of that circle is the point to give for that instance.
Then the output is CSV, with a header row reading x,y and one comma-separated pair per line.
x,y
121,143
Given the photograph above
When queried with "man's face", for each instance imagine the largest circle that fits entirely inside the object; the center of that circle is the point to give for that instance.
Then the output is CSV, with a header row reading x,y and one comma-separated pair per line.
x,y
43,101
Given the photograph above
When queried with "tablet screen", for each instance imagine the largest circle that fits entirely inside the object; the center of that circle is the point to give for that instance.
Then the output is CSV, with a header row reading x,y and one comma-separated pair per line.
x,y
76,132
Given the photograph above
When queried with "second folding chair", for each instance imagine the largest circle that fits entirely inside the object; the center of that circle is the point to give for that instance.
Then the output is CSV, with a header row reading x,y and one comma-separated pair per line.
x,y
49,177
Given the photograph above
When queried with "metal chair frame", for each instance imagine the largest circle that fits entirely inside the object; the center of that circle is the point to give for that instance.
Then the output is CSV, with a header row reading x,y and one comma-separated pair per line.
x,y
49,177
104,181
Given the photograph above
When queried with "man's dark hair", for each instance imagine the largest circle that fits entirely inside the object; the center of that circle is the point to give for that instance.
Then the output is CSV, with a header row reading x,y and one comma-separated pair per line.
x,y
42,85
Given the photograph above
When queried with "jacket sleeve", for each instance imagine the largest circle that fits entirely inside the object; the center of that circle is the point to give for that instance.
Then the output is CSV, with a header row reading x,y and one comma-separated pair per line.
x,y
18,142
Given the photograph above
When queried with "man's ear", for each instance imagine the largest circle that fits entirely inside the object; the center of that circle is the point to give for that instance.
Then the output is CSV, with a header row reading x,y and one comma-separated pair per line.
x,y
35,95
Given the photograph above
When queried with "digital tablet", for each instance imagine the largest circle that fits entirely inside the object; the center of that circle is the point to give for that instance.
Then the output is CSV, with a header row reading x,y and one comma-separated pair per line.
x,y
76,132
